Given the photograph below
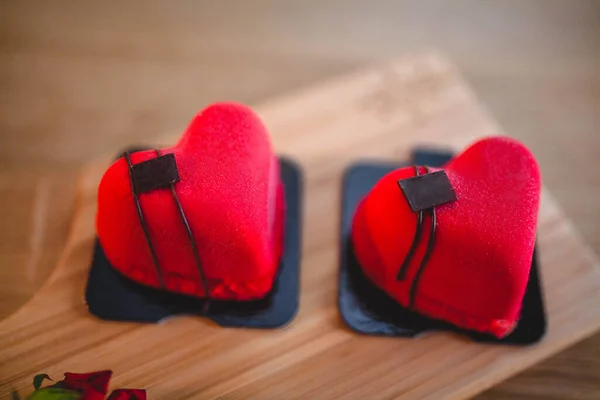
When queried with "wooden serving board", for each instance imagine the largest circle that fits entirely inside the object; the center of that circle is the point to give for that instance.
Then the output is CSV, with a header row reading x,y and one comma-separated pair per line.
x,y
379,113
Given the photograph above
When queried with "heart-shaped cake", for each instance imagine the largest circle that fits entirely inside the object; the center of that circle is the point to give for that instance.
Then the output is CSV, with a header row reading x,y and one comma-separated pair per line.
x,y
204,215
467,259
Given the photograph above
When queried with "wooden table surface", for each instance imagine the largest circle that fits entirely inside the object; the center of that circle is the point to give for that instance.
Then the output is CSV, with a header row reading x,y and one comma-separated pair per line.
x,y
82,79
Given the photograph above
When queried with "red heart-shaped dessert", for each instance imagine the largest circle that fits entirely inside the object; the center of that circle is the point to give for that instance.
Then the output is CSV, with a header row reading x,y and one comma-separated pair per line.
x,y
477,270
230,191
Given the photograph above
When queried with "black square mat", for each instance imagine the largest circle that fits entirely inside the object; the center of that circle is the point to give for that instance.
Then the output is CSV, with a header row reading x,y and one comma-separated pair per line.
x,y
111,296
367,309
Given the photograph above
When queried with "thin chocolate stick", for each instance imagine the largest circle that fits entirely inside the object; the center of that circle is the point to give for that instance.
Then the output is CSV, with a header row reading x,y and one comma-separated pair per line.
x,y
430,245
415,243
413,247
193,244
143,221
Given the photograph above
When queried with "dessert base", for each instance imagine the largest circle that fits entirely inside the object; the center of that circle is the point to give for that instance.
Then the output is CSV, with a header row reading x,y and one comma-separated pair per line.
x,y
111,296
367,309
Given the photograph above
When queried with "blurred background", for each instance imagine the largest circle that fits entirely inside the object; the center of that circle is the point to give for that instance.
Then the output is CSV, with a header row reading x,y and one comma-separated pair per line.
x,y
80,79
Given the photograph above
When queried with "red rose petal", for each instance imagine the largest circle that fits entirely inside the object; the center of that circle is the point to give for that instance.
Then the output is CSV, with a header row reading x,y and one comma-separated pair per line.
x,y
89,383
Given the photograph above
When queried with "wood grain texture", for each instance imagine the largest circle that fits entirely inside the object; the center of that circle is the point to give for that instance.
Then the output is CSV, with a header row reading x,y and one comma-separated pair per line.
x,y
380,113
81,79
37,206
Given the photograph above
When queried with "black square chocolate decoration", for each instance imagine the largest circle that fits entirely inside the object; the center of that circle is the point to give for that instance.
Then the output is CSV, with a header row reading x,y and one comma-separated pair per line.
x,y
427,191
155,173
368,310
112,296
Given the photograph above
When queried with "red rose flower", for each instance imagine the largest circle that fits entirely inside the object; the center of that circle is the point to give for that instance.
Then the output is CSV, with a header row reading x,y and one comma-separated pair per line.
x,y
93,385
88,386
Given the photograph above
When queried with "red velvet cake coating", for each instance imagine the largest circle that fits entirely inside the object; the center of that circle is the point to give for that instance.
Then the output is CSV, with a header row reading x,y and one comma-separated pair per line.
x,y
231,193
479,266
